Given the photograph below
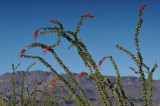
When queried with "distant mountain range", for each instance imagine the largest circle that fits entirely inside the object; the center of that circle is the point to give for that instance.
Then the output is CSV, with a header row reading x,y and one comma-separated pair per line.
x,y
132,86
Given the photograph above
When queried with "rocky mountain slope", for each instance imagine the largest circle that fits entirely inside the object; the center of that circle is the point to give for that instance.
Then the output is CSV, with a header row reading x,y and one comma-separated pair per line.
x,y
132,86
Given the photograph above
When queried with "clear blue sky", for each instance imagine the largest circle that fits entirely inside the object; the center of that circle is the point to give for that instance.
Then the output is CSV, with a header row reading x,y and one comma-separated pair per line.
x,y
114,23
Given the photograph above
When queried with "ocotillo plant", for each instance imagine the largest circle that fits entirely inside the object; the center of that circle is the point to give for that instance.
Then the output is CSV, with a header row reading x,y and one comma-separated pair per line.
x,y
97,77
139,62
18,98
89,62
115,87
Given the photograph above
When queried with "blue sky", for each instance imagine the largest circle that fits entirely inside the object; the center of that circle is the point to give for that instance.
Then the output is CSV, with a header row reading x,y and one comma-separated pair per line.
x,y
114,23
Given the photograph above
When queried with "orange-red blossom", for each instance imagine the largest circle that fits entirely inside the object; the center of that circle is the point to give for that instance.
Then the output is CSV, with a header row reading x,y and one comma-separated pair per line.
x,y
88,15
80,74
100,62
46,72
52,83
142,8
54,21
36,34
22,52
132,69
46,49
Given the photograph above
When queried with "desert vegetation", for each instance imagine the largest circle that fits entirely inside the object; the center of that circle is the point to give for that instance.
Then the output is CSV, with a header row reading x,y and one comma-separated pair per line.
x,y
17,98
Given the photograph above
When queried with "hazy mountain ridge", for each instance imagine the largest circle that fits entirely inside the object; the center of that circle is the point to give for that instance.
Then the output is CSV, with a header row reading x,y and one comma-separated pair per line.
x,y
132,85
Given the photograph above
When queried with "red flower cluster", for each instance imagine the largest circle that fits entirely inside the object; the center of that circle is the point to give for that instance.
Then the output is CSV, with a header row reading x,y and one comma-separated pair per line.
x,y
56,22
36,34
46,72
132,69
52,83
88,15
46,49
100,62
34,63
22,52
142,8
80,74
